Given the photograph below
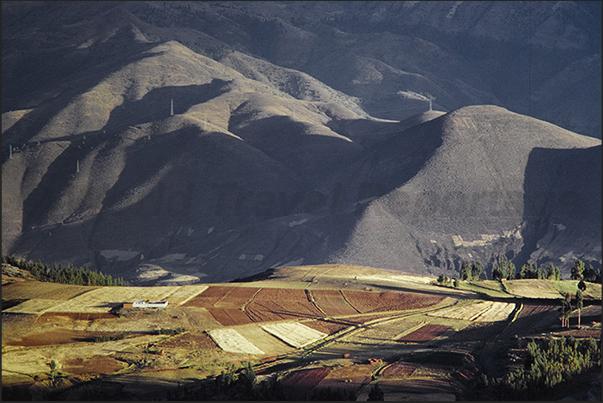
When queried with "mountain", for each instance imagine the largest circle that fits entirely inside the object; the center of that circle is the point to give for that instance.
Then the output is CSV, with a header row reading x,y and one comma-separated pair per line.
x,y
180,142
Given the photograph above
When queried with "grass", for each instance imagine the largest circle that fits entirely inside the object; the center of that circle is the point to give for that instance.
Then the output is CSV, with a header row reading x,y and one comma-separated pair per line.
x,y
490,288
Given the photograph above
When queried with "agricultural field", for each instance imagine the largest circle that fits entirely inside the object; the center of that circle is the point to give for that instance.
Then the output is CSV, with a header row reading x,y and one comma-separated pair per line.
x,y
485,311
273,304
415,340
294,334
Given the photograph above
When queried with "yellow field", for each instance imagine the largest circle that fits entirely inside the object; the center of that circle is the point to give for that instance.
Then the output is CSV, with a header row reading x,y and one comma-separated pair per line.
x,y
103,299
294,334
232,341
486,311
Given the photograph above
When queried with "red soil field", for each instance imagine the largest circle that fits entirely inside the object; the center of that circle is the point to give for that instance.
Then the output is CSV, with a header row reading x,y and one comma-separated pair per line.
x,y
328,327
368,301
96,364
332,302
57,336
349,377
398,371
71,316
222,297
425,333
230,317
190,340
305,380
272,304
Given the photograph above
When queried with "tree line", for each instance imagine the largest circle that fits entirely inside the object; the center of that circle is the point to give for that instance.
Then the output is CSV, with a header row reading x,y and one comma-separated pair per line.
x,y
68,274
549,363
505,269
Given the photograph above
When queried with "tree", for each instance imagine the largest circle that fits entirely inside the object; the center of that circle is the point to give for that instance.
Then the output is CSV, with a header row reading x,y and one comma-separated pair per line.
x,y
579,304
476,270
566,309
466,271
376,394
577,270
553,273
503,269
523,272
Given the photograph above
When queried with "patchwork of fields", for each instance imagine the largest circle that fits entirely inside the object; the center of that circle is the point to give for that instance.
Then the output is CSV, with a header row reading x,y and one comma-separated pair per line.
x,y
338,337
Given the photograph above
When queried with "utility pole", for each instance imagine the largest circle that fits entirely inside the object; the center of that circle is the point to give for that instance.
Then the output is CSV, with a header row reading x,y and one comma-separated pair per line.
x,y
172,108
431,98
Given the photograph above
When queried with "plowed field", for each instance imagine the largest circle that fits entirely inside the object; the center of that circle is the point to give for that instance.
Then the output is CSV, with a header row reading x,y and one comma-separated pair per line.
x,y
97,364
71,316
272,304
332,302
222,297
305,380
350,377
328,327
57,336
368,301
425,333
230,316
398,370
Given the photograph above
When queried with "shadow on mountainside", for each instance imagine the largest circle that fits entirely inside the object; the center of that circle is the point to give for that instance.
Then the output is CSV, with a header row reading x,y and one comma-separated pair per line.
x,y
562,195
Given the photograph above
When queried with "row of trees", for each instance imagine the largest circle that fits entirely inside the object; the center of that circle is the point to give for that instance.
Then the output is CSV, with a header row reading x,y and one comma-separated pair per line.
x,y
64,274
505,269
566,305
549,363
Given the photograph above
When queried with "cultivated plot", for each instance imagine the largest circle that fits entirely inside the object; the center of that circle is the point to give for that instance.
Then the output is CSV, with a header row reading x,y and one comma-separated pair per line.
x,y
273,304
103,299
34,306
367,301
230,316
263,340
332,302
43,290
223,297
486,311
294,334
232,341
425,333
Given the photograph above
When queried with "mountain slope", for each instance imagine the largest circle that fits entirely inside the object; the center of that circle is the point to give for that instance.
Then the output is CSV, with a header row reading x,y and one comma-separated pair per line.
x,y
479,194
273,156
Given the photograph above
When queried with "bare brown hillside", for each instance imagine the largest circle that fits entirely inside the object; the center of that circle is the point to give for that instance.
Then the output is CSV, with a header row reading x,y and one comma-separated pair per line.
x,y
171,143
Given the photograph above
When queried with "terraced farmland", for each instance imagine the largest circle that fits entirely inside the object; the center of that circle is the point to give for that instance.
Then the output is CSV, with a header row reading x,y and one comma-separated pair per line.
x,y
273,304
341,338
485,311
366,301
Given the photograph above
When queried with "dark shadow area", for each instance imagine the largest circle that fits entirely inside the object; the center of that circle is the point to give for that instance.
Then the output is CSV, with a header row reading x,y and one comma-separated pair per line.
x,y
562,201
312,156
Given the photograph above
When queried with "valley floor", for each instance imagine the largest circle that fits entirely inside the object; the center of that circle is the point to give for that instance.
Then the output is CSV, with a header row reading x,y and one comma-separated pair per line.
x,y
313,328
